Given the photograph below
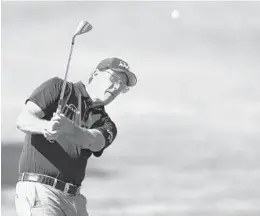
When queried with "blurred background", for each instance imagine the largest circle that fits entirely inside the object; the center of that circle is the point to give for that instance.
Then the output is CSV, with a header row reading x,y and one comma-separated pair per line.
x,y
188,133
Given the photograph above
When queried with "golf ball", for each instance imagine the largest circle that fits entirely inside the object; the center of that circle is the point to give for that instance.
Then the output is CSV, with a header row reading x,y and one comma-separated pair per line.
x,y
175,14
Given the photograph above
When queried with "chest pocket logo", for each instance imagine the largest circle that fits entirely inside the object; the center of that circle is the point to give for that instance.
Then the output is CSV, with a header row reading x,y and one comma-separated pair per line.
x,y
92,118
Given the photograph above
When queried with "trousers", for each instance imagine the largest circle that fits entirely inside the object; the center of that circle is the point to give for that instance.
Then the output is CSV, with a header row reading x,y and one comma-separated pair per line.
x,y
36,199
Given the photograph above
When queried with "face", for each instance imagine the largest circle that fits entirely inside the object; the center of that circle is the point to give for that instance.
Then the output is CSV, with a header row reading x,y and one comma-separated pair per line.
x,y
105,86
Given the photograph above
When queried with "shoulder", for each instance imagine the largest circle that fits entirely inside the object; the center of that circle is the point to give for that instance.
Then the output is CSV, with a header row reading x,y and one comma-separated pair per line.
x,y
108,123
56,83
55,80
108,130
105,115
52,82
104,118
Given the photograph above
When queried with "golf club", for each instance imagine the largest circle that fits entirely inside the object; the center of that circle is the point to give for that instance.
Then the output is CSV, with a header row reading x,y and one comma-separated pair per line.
x,y
82,28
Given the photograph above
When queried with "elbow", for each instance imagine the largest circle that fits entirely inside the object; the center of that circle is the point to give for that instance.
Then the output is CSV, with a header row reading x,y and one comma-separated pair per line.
x,y
19,123
96,147
97,143
91,139
22,121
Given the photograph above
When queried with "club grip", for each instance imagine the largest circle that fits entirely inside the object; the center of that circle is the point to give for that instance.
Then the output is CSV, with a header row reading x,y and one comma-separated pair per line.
x,y
57,111
59,106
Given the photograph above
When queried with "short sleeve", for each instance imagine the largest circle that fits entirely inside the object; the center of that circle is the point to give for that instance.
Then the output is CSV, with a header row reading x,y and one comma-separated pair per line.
x,y
109,131
47,93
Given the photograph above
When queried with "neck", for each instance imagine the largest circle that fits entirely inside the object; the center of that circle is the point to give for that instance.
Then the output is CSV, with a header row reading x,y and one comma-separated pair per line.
x,y
94,100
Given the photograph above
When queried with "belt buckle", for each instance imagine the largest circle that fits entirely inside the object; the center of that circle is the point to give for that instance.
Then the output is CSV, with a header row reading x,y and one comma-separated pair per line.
x,y
66,188
78,191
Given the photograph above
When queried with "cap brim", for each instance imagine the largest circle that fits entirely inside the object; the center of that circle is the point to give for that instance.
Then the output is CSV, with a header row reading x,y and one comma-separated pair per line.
x,y
132,80
114,65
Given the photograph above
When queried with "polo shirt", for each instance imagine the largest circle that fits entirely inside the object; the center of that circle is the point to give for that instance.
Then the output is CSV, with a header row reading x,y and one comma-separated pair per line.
x,y
61,159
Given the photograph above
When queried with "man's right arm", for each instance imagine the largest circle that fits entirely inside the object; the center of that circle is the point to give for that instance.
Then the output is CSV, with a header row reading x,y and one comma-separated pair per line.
x,y
30,119
37,105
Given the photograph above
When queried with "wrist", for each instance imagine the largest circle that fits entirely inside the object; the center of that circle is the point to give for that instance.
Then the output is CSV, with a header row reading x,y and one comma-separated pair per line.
x,y
75,135
73,128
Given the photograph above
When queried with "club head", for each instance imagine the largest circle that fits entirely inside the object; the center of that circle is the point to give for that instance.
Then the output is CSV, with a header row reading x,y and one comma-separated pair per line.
x,y
83,27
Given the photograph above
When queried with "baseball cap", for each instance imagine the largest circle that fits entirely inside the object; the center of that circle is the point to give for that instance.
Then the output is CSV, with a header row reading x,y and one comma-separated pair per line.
x,y
118,65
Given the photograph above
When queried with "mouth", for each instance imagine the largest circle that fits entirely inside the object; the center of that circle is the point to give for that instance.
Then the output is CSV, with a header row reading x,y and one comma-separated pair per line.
x,y
108,91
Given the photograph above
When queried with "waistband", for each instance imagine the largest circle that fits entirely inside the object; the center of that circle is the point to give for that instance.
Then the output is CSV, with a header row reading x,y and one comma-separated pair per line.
x,y
65,187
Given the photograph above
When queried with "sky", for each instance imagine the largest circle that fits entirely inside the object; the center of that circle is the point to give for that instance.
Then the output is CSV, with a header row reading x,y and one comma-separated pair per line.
x,y
201,69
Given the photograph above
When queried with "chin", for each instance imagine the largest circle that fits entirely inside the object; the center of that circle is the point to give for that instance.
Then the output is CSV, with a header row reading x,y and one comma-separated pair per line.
x,y
108,98
105,100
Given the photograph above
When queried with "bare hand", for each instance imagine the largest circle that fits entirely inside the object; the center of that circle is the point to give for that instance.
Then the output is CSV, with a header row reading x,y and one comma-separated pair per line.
x,y
62,124
48,131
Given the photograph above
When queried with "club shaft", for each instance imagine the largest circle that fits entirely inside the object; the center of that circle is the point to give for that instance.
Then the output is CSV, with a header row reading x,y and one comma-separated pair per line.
x,y
65,78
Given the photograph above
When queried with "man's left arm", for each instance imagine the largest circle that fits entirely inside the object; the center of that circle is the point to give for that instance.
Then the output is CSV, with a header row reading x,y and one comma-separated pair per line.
x,y
96,139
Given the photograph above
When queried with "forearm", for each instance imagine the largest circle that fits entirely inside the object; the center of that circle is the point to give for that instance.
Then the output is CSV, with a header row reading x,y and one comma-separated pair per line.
x,y
29,123
87,138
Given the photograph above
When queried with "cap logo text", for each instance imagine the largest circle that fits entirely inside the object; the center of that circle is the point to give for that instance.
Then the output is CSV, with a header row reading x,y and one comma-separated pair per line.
x,y
123,65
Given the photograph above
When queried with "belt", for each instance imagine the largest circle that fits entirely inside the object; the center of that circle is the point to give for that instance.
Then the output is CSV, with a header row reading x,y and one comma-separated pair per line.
x,y
67,188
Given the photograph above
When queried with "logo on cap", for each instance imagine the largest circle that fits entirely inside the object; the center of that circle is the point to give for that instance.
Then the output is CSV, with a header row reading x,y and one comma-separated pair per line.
x,y
123,65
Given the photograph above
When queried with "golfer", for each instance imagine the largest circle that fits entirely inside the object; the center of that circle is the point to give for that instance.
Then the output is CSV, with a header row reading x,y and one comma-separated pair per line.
x,y
57,145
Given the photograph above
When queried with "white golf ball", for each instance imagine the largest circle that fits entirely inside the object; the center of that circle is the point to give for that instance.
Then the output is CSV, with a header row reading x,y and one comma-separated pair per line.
x,y
175,14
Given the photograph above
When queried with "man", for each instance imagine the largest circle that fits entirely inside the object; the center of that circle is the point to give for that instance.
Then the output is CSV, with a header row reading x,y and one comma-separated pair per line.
x,y
58,144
